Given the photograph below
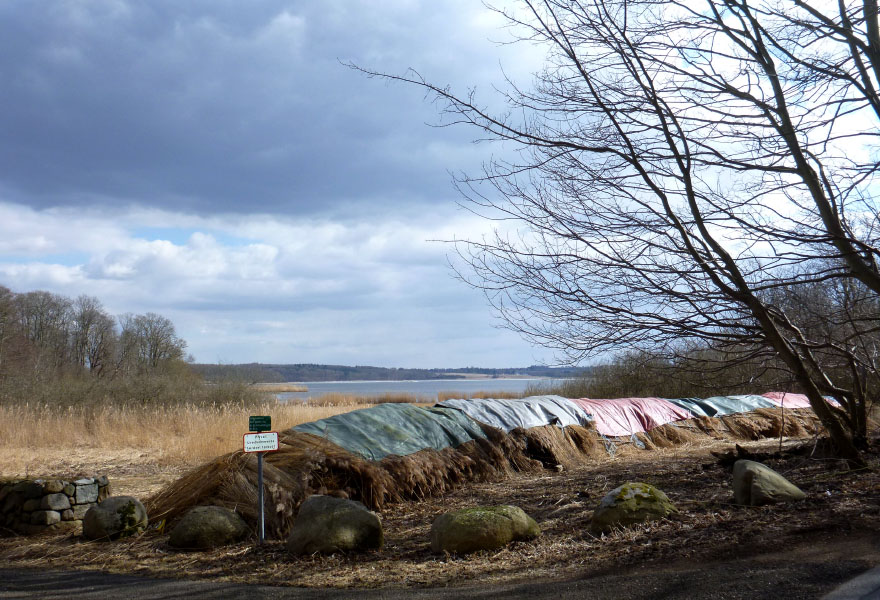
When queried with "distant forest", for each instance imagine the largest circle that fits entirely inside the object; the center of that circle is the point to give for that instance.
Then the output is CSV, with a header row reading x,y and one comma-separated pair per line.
x,y
260,373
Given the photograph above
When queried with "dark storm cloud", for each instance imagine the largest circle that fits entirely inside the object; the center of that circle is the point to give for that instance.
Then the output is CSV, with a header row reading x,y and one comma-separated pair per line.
x,y
228,106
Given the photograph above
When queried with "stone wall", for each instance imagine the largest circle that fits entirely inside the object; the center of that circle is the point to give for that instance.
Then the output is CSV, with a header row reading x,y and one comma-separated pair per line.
x,y
33,506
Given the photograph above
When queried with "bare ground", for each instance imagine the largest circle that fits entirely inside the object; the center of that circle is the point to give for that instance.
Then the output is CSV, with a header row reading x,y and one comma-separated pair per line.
x,y
801,549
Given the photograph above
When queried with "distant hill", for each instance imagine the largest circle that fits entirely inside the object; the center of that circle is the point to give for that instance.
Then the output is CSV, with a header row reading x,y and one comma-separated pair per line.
x,y
258,372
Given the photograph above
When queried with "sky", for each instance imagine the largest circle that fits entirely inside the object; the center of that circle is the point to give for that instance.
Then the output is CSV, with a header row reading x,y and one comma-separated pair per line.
x,y
215,161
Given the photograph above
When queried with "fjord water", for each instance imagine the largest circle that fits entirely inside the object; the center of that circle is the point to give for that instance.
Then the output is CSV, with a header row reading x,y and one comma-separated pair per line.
x,y
427,388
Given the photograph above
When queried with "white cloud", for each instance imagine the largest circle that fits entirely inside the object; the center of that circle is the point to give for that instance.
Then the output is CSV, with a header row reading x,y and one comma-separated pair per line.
x,y
267,288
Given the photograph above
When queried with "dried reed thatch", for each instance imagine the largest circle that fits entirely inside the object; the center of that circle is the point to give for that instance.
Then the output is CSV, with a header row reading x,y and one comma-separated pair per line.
x,y
753,425
306,464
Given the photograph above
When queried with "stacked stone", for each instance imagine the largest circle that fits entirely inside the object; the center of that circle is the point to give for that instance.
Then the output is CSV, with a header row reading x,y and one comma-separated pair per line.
x,y
34,506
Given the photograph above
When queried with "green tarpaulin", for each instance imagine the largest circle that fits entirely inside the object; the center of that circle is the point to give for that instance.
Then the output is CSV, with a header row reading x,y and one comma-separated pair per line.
x,y
717,406
400,429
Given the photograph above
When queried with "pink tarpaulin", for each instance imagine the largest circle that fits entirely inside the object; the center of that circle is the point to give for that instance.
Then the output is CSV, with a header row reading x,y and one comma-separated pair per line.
x,y
789,400
625,416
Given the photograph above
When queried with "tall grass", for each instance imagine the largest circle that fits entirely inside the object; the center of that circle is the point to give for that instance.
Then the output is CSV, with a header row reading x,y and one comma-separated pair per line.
x,y
165,420
337,399
184,433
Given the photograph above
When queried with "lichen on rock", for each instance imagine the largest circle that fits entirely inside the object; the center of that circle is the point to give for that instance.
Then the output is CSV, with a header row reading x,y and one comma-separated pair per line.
x,y
481,528
628,504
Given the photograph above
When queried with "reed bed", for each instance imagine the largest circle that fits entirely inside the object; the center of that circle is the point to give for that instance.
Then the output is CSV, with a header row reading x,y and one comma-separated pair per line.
x,y
338,399
276,388
184,433
480,395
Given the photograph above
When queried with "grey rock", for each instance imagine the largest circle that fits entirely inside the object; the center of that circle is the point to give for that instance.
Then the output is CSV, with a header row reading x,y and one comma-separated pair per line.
x,y
86,493
755,484
114,518
80,510
67,515
69,489
628,504
29,489
84,481
13,502
45,517
54,486
205,527
5,490
102,481
55,502
68,526
481,528
31,505
326,524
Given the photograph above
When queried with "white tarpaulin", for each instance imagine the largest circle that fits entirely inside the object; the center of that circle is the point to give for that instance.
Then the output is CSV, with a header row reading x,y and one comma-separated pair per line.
x,y
533,411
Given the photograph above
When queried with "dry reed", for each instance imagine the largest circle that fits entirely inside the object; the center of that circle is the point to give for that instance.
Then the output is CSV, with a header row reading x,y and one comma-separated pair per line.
x,y
276,388
184,433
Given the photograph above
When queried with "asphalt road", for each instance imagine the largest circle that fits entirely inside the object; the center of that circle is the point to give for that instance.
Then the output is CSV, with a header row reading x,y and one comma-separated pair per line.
x,y
716,581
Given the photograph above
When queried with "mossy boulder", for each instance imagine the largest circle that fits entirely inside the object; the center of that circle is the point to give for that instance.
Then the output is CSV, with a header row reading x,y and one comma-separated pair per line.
x,y
481,528
326,525
114,518
631,503
755,484
206,527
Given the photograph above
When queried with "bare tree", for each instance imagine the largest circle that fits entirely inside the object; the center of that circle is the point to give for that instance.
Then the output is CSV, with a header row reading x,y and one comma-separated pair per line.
x,y
148,341
43,321
93,334
7,323
673,170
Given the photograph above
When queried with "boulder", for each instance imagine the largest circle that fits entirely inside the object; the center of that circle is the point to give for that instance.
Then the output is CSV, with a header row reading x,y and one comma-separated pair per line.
x,y
326,524
116,517
631,503
54,486
755,484
205,527
29,489
13,502
80,510
481,528
55,502
45,517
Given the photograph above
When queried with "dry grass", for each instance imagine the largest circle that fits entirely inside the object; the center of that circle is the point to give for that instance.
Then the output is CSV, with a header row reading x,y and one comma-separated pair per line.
x,y
33,437
498,395
276,388
338,399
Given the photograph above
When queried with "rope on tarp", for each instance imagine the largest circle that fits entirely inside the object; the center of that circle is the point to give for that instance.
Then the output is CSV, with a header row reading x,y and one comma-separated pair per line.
x,y
610,447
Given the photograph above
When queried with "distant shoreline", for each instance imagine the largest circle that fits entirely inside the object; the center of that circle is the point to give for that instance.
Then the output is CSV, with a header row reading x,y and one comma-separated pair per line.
x,y
469,377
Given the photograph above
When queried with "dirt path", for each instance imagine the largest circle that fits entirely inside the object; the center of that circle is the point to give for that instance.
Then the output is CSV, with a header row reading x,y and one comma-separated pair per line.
x,y
807,571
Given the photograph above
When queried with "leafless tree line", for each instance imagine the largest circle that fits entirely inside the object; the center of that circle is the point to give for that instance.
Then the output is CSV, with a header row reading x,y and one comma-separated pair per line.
x,y
689,175
45,335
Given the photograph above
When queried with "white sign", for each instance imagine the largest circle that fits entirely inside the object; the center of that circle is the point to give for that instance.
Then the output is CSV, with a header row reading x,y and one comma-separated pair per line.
x,y
261,442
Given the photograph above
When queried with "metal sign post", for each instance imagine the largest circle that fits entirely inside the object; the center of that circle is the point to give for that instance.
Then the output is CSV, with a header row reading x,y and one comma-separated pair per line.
x,y
260,496
261,442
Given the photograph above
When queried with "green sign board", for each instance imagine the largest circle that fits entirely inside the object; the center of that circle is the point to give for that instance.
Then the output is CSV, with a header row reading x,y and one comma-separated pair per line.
x,y
260,423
